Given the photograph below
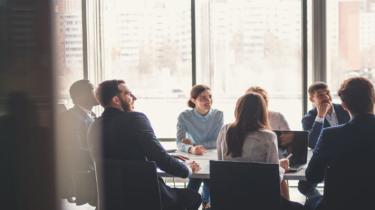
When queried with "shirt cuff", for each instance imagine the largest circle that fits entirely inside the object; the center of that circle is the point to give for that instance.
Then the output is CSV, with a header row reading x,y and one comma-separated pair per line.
x,y
281,173
190,171
319,119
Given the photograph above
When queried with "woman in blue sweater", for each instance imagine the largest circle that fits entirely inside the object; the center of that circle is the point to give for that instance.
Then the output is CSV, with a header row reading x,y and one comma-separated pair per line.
x,y
197,131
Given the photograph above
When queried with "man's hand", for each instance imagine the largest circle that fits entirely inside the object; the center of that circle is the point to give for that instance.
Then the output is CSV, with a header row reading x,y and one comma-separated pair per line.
x,y
284,163
197,150
323,108
187,141
194,166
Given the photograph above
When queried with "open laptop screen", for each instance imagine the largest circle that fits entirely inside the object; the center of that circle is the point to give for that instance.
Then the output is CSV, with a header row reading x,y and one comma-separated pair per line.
x,y
295,143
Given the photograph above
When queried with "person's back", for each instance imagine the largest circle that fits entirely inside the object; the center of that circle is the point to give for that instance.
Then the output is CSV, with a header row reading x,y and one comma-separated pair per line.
x,y
249,139
121,137
259,146
353,139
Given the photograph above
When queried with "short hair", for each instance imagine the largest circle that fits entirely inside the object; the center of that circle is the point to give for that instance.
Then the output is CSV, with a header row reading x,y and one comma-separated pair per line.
x,y
79,89
260,91
358,95
317,86
194,93
107,90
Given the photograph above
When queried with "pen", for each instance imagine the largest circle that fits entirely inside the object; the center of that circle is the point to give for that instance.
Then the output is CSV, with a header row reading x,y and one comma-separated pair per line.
x,y
289,156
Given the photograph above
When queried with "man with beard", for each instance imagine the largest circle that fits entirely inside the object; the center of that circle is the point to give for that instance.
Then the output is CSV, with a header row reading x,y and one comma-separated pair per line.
x,y
324,114
123,134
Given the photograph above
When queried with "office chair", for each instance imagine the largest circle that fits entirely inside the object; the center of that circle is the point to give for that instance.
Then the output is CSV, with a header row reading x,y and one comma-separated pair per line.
x,y
349,182
126,185
244,185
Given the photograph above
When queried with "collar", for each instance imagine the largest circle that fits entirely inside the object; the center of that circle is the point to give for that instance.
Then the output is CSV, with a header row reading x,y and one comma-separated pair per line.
x,y
88,112
196,113
333,113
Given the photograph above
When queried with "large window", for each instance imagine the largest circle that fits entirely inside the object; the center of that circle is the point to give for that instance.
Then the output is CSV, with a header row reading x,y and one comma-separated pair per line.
x,y
148,44
350,40
252,43
68,44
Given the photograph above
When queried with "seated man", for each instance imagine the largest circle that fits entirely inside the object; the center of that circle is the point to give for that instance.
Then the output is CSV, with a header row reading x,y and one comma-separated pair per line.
x,y
76,171
358,97
128,135
324,114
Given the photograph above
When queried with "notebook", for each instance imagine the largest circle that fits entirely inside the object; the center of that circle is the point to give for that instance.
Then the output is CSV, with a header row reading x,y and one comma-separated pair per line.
x,y
295,143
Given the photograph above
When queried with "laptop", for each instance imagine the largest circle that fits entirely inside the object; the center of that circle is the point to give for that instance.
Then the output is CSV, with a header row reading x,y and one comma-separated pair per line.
x,y
293,143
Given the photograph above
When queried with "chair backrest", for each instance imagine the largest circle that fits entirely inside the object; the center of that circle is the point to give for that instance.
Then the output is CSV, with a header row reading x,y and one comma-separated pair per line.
x,y
127,185
244,185
350,182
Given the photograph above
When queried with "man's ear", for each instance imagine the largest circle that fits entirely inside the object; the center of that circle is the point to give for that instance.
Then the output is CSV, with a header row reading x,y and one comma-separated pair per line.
x,y
115,100
311,99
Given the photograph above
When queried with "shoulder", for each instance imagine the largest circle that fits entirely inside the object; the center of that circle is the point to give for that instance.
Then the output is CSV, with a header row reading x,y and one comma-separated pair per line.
x,y
131,117
217,112
186,114
332,134
310,115
332,131
339,108
330,139
312,112
217,115
275,115
265,134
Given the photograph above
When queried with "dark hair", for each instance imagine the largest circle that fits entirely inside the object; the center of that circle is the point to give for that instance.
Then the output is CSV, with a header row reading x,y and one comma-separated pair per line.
x,y
251,115
194,93
79,90
260,91
107,90
317,86
358,95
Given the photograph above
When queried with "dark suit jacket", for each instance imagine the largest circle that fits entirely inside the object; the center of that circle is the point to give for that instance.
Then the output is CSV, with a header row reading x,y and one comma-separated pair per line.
x,y
356,136
129,136
315,128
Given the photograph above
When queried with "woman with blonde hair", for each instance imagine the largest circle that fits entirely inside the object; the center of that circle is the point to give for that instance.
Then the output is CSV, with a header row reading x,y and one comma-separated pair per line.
x,y
277,120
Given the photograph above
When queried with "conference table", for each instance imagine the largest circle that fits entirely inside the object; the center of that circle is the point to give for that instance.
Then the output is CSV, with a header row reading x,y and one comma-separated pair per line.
x,y
204,162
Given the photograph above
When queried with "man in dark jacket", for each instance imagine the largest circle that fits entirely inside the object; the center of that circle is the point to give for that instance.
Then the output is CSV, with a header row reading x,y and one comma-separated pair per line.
x,y
76,169
324,114
122,134
353,139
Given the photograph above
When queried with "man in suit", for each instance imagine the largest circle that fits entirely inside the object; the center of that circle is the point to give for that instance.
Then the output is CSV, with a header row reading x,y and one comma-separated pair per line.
x,y
127,135
353,138
73,147
324,114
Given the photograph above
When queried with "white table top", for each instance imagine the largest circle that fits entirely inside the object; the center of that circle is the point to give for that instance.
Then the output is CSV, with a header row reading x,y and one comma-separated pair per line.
x,y
204,162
